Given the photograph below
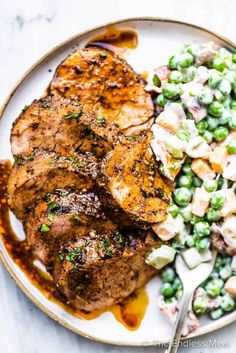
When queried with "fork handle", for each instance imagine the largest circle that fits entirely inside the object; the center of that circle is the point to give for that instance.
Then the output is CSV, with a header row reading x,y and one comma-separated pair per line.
x,y
179,322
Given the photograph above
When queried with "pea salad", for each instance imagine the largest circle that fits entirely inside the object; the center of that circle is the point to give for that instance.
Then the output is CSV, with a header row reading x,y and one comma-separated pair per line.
x,y
194,142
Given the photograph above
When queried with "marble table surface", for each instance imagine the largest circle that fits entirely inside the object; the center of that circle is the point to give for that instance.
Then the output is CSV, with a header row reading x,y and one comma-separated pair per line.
x,y
28,29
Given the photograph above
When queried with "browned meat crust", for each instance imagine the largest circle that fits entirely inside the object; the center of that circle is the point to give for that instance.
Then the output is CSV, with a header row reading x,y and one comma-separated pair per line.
x,y
105,83
31,178
101,269
131,186
62,126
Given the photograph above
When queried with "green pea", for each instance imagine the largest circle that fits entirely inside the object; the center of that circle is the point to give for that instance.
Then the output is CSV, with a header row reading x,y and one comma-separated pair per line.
x,y
210,185
220,133
214,275
185,180
213,215
170,90
202,244
173,62
173,210
212,122
185,60
202,126
227,260
182,196
170,300
217,200
183,135
225,87
214,79
196,181
227,303
213,287
219,63
205,96
208,136
167,290
216,109
175,76
232,122
190,241
161,100
186,169
231,148
189,73
216,313
202,229
200,305
225,272
168,275
177,283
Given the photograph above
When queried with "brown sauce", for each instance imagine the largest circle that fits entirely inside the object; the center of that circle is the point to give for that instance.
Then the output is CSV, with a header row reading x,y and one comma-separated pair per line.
x,y
116,40
129,313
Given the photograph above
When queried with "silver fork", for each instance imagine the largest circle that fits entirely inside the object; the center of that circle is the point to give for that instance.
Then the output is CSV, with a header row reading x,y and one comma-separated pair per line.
x,y
191,279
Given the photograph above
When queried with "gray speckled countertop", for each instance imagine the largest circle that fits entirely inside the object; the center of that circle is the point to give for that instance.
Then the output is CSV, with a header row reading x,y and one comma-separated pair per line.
x,y
28,29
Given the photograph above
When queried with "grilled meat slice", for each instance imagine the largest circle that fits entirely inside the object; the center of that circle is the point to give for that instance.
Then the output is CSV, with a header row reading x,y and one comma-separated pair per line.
x,y
131,187
61,217
103,268
61,126
105,83
31,178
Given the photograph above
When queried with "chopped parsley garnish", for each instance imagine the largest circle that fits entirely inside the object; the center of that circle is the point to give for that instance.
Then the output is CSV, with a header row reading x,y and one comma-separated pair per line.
x,y
46,105
80,165
60,256
50,217
52,204
31,157
44,228
103,55
74,115
19,160
47,196
100,118
131,138
70,257
79,287
156,81
25,108
71,159
108,254
120,238
77,218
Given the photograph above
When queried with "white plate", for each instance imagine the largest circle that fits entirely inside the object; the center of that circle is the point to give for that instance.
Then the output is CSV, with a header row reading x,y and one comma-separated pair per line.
x,y
158,39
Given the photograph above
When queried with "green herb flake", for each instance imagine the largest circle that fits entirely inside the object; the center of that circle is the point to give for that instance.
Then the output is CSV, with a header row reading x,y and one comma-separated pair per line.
x,y
108,254
25,108
103,55
19,160
156,81
131,138
74,115
44,228
120,238
77,218
31,157
46,105
79,287
71,159
80,165
70,257
60,256
100,118
52,204
50,217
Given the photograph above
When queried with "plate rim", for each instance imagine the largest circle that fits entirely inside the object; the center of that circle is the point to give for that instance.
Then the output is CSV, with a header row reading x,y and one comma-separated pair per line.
x,y
210,328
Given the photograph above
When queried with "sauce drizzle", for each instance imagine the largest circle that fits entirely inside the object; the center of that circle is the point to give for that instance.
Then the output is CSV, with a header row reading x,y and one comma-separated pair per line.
x,y
116,40
129,313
